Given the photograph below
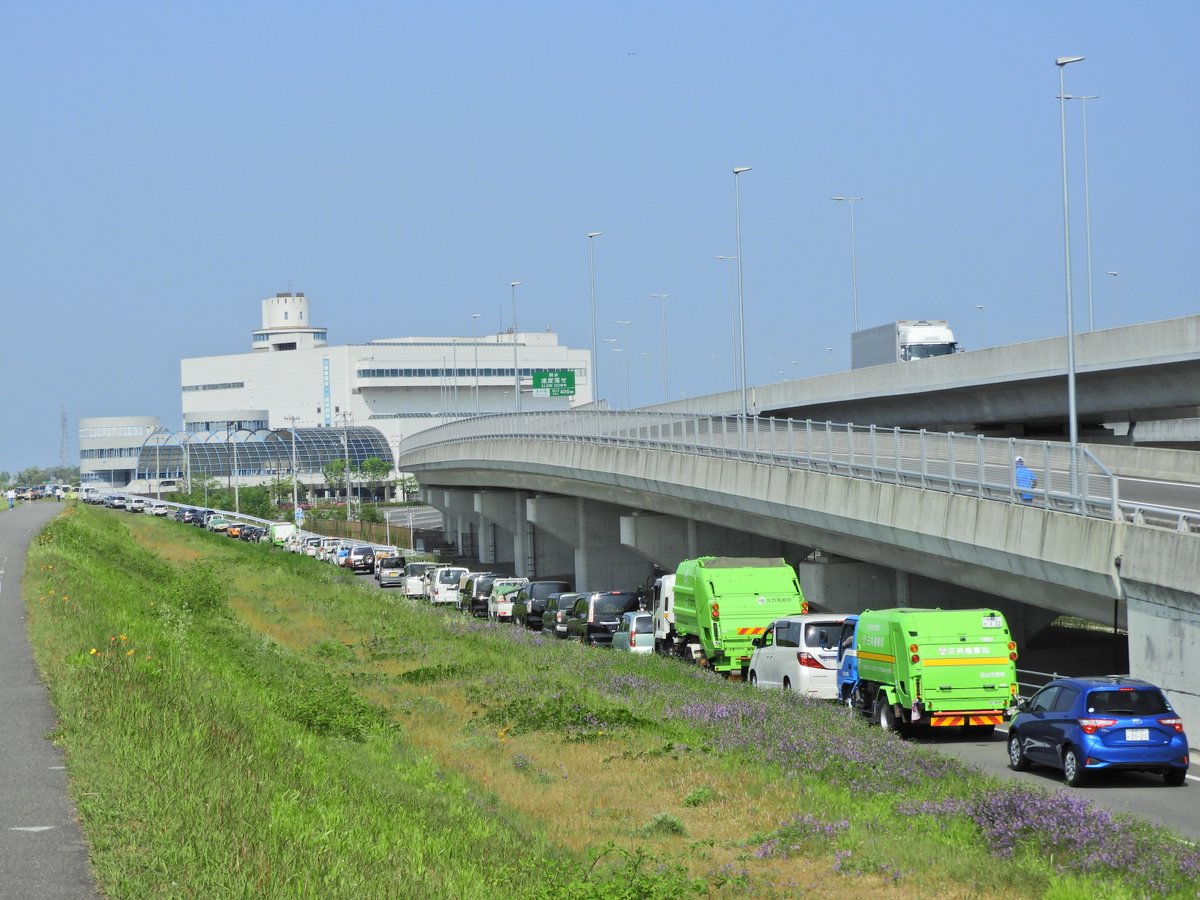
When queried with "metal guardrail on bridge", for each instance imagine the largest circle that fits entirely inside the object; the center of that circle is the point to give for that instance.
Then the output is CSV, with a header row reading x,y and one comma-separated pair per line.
x,y
1068,480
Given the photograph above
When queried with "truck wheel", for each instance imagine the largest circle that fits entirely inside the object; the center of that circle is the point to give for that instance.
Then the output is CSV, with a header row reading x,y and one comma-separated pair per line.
x,y
887,716
1073,771
1016,758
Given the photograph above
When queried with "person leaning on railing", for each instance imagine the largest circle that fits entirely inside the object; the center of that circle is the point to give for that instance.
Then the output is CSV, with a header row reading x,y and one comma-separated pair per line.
x,y
1025,479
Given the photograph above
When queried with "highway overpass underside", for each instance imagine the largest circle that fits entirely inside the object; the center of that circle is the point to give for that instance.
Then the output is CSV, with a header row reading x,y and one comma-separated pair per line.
x,y
611,514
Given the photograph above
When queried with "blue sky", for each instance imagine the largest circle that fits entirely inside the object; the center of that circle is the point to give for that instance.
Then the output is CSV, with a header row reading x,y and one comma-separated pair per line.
x,y
166,166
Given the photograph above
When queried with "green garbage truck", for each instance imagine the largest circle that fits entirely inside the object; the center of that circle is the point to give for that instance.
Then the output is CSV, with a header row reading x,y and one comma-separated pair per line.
x,y
714,607
936,667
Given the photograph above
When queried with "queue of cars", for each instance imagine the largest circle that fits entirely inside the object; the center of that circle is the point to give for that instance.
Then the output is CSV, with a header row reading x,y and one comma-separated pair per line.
x,y
1079,726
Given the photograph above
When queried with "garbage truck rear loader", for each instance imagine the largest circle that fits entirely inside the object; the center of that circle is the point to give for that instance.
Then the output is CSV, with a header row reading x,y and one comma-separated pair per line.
x,y
715,606
936,667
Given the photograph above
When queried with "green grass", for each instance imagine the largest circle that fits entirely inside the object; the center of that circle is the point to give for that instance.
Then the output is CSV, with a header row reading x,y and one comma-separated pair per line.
x,y
244,722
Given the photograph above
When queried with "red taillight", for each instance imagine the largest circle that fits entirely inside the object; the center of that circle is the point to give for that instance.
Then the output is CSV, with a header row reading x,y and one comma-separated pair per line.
x,y
916,658
632,640
1172,722
804,607
716,611
1090,726
808,661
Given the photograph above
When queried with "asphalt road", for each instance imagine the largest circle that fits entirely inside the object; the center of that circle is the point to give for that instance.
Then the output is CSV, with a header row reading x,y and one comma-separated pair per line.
x,y
1139,794
42,851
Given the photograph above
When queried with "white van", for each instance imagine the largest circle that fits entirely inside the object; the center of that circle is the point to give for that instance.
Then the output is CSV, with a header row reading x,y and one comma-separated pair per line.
x,y
414,578
444,585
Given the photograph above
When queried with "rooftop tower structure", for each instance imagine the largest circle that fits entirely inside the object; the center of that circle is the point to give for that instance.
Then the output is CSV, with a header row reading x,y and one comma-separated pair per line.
x,y
286,325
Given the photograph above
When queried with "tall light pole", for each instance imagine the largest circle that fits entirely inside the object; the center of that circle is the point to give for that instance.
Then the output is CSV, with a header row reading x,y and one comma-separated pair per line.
x,y
295,487
1087,208
475,340
516,371
737,207
733,330
1062,62
853,256
1117,285
592,278
229,433
666,351
345,417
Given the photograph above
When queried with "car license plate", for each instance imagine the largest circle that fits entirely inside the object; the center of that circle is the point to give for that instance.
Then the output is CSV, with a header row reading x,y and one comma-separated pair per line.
x,y
1137,734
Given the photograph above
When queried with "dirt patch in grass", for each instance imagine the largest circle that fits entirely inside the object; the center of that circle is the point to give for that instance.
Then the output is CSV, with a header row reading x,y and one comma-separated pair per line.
x,y
161,542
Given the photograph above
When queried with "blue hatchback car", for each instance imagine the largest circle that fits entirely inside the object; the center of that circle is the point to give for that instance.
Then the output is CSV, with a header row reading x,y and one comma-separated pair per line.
x,y
1085,725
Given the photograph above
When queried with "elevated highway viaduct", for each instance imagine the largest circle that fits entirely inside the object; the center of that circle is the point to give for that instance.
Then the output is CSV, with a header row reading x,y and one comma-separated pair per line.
x,y
868,520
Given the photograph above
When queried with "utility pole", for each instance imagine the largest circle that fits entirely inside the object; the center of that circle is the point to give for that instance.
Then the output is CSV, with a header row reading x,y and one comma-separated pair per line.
x,y
295,489
345,417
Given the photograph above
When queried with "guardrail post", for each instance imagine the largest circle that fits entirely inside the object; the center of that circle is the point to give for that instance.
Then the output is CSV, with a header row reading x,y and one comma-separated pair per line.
x,y
980,479
896,434
924,459
950,459
790,447
829,447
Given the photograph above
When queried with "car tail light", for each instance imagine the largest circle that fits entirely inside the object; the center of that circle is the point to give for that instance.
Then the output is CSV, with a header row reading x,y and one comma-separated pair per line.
x,y
1091,726
632,639
716,611
808,661
804,607
591,614
1172,722
916,657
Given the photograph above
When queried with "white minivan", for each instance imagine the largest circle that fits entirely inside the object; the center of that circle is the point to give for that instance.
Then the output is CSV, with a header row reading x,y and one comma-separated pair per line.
x,y
443,586
799,653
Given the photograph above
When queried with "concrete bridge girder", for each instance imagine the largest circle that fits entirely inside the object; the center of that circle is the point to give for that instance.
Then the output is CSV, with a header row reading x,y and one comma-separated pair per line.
x,y
668,540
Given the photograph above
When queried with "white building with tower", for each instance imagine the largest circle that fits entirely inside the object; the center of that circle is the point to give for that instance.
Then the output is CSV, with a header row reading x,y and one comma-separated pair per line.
x,y
293,385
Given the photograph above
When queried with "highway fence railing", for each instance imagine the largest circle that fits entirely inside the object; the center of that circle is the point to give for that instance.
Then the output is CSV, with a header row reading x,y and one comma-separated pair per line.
x,y
1065,479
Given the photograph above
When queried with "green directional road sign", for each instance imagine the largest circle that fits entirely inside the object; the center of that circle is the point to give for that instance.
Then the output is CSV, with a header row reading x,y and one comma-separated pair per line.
x,y
553,383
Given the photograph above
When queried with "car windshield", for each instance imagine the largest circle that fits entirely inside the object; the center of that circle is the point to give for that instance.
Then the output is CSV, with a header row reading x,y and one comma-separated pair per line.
x,y
1128,702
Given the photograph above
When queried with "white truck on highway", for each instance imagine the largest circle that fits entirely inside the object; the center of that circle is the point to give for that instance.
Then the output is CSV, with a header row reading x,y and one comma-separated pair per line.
x,y
901,341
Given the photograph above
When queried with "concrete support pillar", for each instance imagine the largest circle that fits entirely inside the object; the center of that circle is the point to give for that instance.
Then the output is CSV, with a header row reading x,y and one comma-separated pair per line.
x,y
602,562
498,525
458,508
555,522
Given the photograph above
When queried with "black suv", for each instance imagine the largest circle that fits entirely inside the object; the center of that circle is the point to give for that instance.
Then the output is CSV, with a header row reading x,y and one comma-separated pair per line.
x,y
530,601
594,617
473,598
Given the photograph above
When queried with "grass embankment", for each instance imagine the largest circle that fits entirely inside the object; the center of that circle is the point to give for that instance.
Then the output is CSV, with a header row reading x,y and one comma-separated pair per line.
x,y
240,721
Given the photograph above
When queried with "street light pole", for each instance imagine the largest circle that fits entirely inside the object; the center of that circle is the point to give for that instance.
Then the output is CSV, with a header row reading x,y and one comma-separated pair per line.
x,y
346,456
665,353
516,371
295,488
237,506
853,256
592,278
1087,208
1062,62
737,206
475,338
1117,285
733,330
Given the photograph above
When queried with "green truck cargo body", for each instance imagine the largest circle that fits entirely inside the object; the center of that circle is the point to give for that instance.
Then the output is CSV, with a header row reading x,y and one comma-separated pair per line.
x,y
937,667
721,604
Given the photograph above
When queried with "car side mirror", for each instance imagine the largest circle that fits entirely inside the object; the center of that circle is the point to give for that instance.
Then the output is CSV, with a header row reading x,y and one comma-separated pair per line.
x,y
757,642
1022,703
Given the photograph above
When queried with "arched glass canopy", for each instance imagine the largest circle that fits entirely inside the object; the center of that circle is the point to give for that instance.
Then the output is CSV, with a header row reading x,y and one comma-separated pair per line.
x,y
257,453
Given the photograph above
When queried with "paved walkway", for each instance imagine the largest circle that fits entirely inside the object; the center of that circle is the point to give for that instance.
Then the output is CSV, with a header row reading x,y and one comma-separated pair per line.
x,y
42,851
